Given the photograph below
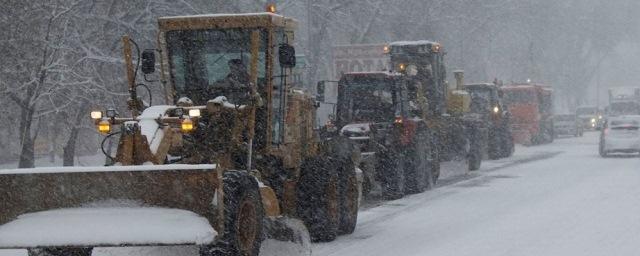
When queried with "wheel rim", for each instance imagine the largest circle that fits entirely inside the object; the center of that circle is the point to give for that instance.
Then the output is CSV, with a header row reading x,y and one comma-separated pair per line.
x,y
246,227
332,197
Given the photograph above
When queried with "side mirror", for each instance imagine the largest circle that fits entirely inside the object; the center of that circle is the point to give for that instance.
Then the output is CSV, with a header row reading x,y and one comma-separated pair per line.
x,y
148,61
320,88
287,56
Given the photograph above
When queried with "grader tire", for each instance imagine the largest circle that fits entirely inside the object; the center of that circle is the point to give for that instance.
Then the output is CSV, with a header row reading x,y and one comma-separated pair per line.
x,y
243,216
318,199
60,252
348,188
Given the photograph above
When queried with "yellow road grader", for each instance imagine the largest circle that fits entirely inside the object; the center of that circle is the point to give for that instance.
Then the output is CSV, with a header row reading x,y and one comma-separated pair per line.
x,y
235,144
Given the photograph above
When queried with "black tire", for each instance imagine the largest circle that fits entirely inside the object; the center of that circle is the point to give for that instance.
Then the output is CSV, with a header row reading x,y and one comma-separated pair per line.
x,y
317,199
391,170
601,150
243,217
60,252
416,166
493,145
475,153
434,163
348,189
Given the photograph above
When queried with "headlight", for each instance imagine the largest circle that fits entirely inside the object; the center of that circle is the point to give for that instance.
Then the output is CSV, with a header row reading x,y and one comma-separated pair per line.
x,y
593,120
496,109
96,115
186,126
402,67
104,126
194,113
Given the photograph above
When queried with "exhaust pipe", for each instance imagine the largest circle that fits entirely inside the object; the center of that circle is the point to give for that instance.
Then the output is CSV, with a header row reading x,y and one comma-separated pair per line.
x,y
459,75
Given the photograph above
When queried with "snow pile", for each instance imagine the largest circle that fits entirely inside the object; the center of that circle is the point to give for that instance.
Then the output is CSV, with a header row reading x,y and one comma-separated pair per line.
x,y
222,100
149,126
285,236
128,168
363,128
107,227
409,43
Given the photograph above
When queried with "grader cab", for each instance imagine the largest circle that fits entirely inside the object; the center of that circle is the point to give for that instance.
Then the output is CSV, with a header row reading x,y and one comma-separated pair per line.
x,y
234,144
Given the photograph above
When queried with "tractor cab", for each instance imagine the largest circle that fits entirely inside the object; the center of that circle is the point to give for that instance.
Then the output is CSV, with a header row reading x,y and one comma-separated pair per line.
x,y
423,64
369,97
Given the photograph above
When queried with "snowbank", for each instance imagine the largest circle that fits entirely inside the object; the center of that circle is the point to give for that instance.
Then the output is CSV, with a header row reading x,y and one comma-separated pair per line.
x,y
107,227
128,168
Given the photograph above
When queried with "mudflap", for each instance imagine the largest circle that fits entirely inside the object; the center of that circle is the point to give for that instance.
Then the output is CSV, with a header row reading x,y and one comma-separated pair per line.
x,y
285,236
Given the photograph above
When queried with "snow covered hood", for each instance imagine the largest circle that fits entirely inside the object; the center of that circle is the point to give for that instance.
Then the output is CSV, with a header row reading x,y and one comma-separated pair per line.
x,y
106,227
361,128
406,43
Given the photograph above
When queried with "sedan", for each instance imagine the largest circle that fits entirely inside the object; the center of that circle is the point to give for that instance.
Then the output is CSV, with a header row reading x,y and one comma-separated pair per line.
x,y
620,135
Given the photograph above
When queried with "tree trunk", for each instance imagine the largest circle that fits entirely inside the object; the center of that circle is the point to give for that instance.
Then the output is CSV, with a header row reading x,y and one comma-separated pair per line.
x,y
69,150
27,144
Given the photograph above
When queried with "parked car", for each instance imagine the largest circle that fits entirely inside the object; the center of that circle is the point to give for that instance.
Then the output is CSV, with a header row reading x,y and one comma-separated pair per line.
x,y
620,135
567,124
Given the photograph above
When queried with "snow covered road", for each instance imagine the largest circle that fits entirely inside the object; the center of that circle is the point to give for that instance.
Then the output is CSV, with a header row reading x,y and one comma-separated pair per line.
x,y
557,199
574,203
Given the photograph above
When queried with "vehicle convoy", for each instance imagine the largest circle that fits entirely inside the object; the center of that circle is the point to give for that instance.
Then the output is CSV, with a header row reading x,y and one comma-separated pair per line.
x,y
487,101
234,145
623,101
372,111
407,121
531,108
621,134
568,124
459,134
590,117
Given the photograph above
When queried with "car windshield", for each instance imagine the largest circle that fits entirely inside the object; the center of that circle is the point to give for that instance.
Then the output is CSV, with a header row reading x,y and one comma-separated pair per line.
x,y
480,100
565,118
519,96
622,123
587,111
622,108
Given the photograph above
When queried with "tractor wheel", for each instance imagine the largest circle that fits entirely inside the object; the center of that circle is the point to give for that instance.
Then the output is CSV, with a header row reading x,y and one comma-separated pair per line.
x,y
475,155
603,153
243,217
493,145
318,199
416,165
60,252
434,164
390,166
348,188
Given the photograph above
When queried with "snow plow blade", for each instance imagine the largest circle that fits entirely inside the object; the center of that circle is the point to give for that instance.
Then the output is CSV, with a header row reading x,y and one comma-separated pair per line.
x,y
186,187
285,236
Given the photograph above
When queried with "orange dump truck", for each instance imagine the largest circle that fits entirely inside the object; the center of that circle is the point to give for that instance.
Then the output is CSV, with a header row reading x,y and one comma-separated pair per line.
x,y
531,109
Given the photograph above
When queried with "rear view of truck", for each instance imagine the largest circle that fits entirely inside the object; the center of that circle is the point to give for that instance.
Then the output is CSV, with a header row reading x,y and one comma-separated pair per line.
x,y
531,108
